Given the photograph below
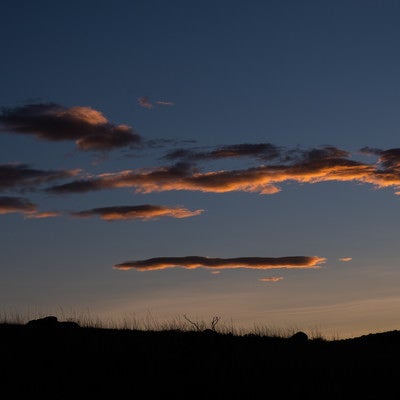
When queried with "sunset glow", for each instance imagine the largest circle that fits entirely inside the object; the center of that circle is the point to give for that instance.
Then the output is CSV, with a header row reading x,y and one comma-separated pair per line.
x,y
239,159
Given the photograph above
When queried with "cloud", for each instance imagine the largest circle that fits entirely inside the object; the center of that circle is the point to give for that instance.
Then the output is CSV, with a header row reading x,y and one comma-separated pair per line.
x,y
183,176
143,212
16,204
45,214
9,205
388,161
193,262
271,279
146,179
165,103
49,121
314,166
345,259
23,177
264,151
145,102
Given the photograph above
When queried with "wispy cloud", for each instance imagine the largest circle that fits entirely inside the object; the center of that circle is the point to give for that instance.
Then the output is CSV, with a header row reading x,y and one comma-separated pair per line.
x,y
193,262
44,214
145,180
345,259
11,204
145,102
271,279
49,121
143,212
264,151
21,176
314,166
165,103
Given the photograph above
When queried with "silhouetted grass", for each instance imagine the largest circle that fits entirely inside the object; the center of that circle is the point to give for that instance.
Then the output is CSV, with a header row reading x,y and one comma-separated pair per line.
x,y
186,358
182,323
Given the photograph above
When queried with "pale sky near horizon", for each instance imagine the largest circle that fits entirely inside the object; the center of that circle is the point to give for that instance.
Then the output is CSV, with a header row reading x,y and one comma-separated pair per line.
x,y
230,158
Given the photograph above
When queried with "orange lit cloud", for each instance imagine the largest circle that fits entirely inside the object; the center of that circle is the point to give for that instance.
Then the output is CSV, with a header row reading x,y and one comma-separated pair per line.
x,y
313,166
144,212
87,127
261,180
271,279
44,214
345,259
193,262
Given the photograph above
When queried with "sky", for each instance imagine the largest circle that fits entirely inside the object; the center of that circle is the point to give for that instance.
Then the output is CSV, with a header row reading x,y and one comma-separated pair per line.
x,y
233,158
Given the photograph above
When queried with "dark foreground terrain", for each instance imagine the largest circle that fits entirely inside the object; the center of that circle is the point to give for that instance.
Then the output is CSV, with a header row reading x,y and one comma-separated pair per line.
x,y
63,361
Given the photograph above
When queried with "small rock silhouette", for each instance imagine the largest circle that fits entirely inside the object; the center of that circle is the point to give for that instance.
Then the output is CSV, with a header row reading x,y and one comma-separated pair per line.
x,y
51,322
299,337
46,322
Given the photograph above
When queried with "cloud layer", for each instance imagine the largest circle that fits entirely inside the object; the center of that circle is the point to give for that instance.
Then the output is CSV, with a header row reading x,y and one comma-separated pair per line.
x,y
192,262
49,121
143,212
312,166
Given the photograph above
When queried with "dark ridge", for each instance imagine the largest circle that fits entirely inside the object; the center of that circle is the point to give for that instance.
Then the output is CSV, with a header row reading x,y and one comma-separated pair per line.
x,y
48,360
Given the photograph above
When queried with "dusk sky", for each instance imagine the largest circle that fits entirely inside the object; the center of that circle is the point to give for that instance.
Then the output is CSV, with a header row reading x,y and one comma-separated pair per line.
x,y
238,159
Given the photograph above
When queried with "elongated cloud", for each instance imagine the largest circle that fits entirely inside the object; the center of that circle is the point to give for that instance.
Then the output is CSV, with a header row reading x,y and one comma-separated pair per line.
x,y
22,176
271,279
263,179
43,214
264,151
314,166
165,103
193,262
345,259
145,102
142,179
144,212
49,121
10,204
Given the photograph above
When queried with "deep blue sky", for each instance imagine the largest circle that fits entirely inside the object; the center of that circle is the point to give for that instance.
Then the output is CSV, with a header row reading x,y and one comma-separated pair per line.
x,y
299,75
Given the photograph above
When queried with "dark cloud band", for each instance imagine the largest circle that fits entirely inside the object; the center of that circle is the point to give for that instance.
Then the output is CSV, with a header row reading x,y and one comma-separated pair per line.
x,y
264,151
21,176
10,204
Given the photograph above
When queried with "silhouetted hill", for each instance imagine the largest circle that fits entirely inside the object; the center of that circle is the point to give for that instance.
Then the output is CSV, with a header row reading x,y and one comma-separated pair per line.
x,y
63,361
